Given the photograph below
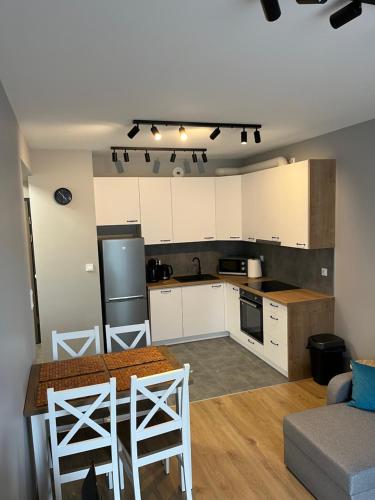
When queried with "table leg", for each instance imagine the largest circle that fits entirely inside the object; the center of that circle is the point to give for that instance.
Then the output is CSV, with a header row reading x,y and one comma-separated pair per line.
x,y
40,449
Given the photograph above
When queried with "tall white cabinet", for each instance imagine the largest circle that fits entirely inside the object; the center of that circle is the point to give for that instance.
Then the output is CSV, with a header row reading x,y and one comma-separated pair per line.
x,y
116,201
156,209
193,208
228,208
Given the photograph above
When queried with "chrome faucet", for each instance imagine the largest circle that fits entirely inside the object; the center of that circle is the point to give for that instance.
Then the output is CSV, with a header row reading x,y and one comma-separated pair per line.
x,y
197,259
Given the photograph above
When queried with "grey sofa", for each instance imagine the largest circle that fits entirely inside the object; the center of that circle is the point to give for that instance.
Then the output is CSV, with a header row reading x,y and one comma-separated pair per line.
x,y
331,449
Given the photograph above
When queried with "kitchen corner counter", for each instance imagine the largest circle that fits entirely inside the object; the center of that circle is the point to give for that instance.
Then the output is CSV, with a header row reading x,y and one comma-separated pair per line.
x,y
285,297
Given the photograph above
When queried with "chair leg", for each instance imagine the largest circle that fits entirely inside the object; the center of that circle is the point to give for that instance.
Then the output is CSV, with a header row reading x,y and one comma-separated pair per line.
x,y
166,465
121,474
182,474
136,483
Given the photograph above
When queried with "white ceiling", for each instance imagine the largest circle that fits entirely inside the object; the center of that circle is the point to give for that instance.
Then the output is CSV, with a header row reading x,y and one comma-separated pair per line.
x,y
78,71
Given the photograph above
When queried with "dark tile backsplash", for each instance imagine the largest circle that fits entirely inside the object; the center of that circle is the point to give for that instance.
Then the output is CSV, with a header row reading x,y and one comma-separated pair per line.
x,y
295,266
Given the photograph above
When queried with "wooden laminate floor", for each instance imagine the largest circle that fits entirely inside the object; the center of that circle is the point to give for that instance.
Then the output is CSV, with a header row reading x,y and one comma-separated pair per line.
x,y
237,448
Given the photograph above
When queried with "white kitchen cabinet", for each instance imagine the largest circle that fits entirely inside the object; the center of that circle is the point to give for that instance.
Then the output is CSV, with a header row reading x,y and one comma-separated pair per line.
x,y
228,208
232,303
275,329
193,208
203,309
116,201
269,204
250,214
156,209
166,314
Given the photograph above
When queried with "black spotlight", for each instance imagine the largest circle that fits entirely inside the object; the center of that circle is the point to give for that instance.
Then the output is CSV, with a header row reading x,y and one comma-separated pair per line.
x,y
195,158
257,138
147,157
244,137
346,14
156,133
215,133
173,157
133,131
271,9
204,157
126,156
114,156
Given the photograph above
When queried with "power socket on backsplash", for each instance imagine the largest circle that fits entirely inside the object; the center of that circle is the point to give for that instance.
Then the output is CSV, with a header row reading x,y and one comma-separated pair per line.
x,y
261,258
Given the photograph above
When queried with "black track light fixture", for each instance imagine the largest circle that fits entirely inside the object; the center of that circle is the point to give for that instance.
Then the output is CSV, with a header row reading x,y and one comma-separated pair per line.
x,y
257,137
133,131
271,9
346,14
114,156
194,156
155,132
173,157
244,137
147,157
215,133
126,156
204,158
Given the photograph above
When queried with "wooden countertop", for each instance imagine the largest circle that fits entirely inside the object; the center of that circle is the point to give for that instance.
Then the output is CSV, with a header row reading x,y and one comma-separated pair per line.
x,y
285,297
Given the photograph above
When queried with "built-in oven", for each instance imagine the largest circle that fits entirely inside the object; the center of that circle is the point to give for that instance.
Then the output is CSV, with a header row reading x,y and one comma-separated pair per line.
x,y
251,307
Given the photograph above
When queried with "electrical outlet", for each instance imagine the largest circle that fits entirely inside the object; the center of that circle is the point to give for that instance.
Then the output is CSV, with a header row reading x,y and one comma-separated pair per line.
x,y
324,271
261,258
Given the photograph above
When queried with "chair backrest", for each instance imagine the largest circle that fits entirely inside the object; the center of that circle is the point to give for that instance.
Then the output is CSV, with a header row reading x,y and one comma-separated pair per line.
x,y
61,340
61,402
123,335
170,383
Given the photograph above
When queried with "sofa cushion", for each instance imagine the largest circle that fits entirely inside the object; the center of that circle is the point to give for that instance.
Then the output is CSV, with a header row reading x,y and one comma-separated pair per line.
x,y
363,391
340,440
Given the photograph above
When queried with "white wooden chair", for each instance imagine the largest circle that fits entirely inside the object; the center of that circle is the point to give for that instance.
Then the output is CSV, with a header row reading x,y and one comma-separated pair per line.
x,y
61,340
76,440
168,428
119,334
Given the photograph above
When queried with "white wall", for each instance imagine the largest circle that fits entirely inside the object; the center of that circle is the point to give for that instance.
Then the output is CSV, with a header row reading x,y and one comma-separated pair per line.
x,y
64,241
16,321
354,150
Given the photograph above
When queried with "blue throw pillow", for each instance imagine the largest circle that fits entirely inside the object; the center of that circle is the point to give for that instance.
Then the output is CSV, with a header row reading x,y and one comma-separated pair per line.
x,y
363,391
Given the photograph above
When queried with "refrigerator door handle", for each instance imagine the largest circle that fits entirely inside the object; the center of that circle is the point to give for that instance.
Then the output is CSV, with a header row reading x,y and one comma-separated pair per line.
x,y
129,297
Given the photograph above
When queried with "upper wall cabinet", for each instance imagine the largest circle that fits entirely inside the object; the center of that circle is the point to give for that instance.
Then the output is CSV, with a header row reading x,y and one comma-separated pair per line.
x,y
308,211
228,208
249,207
116,200
156,209
193,208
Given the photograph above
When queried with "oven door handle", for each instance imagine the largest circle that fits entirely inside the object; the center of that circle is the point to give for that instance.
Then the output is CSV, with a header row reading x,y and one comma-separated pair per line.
x,y
251,304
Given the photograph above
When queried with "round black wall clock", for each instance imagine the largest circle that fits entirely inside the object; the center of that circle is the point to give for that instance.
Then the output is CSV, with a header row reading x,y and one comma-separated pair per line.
x,y
63,196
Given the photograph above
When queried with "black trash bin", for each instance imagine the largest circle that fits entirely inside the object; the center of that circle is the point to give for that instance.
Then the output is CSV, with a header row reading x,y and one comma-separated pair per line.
x,y
326,354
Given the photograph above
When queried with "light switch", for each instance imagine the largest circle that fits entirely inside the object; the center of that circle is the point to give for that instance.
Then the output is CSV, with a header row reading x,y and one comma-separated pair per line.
x,y
89,268
324,271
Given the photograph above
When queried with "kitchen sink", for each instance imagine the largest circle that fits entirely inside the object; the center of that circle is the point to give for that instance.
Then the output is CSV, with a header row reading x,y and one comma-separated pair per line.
x,y
196,277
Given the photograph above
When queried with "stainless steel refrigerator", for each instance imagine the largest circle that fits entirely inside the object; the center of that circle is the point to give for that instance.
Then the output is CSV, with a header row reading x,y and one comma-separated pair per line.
x,y
123,281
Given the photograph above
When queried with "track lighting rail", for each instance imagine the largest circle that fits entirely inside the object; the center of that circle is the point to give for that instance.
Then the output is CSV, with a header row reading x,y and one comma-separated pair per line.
x,y
167,123
126,148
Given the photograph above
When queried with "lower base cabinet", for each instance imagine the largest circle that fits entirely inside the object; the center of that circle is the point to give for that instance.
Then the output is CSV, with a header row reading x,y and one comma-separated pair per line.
x,y
166,314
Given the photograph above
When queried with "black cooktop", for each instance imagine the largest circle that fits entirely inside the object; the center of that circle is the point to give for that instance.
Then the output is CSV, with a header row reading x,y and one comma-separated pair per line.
x,y
270,286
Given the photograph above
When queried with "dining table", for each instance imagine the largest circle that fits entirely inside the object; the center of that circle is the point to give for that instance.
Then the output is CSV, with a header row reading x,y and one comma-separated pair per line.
x,y
79,372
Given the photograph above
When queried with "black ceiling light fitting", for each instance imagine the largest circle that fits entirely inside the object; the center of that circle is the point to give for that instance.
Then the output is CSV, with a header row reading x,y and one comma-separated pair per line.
x,y
257,137
125,149
155,133
311,2
215,133
182,124
271,9
346,14
133,131
244,137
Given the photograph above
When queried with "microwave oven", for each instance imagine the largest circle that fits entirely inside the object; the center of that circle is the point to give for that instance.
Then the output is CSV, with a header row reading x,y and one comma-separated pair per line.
x,y
233,265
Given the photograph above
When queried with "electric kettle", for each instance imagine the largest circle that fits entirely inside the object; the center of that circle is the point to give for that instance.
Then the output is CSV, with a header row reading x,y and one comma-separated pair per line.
x,y
165,271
